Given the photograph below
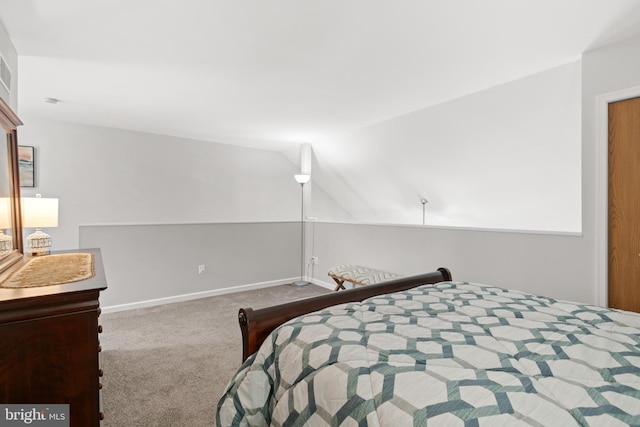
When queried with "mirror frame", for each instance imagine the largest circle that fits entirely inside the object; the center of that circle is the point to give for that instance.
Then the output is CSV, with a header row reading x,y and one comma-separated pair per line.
x,y
9,121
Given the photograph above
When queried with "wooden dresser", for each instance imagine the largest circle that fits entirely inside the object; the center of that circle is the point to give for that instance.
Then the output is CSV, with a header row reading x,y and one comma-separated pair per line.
x,y
49,345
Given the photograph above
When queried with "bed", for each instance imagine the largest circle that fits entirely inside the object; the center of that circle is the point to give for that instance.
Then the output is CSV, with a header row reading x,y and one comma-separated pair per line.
x,y
425,350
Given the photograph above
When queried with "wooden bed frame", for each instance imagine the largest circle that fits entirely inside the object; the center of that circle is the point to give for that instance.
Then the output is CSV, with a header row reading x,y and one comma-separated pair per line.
x,y
256,325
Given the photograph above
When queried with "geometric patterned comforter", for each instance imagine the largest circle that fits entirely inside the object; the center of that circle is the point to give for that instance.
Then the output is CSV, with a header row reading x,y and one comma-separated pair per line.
x,y
450,354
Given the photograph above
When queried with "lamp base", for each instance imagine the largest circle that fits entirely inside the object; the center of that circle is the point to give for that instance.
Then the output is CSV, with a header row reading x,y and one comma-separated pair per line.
x,y
38,243
301,283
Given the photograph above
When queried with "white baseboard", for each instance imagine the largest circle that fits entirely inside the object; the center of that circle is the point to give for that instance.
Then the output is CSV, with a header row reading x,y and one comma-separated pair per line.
x,y
204,294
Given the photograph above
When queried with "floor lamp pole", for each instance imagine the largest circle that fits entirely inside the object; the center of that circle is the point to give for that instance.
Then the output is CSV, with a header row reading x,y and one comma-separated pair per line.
x,y
302,281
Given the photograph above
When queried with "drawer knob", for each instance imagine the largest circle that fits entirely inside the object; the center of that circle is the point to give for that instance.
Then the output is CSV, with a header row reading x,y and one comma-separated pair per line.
x,y
99,329
100,372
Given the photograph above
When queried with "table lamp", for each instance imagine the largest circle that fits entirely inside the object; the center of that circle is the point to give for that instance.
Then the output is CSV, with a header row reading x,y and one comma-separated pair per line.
x,y
39,212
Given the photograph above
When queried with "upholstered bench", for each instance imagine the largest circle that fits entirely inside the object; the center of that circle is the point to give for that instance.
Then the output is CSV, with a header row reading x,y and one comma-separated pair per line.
x,y
358,275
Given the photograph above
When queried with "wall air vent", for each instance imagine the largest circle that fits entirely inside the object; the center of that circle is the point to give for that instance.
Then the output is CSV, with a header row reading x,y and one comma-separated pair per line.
x,y
5,74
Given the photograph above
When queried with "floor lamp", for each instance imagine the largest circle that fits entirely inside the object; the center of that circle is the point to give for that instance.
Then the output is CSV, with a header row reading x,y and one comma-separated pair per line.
x,y
302,180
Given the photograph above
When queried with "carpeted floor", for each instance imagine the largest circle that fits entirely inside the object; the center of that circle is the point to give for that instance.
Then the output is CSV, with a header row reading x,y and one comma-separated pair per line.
x,y
168,365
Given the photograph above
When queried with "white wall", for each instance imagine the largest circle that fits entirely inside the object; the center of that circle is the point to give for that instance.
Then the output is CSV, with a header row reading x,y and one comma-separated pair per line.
x,y
319,202
507,157
106,176
159,206
562,266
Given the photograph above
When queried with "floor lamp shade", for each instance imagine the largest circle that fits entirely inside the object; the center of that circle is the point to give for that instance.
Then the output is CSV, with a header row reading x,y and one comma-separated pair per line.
x,y
302,178
39,212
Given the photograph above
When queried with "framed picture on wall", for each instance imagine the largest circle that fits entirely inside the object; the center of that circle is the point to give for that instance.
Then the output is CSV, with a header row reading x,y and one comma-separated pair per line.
x,y
26,164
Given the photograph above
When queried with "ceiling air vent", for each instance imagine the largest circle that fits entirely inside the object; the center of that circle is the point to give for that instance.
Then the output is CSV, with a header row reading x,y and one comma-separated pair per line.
x,y
5,74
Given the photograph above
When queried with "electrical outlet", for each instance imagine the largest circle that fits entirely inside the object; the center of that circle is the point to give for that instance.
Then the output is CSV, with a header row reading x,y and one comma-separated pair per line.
x,y
201,269
314,260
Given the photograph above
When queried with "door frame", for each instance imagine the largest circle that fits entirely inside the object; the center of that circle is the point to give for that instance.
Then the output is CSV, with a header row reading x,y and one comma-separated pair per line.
x,y
602,189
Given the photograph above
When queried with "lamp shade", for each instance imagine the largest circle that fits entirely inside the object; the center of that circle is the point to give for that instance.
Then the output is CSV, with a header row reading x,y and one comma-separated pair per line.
x,y
302,179
39,212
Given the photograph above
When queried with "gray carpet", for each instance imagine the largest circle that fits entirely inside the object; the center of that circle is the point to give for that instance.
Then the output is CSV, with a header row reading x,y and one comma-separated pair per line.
x,y
168,365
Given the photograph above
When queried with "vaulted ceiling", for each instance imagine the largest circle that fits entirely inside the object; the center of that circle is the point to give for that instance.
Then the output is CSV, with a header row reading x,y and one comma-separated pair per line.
x,y
279,72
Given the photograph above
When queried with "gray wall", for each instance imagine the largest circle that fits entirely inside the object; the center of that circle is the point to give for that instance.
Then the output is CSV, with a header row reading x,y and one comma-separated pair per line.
x,y
150,264
546,264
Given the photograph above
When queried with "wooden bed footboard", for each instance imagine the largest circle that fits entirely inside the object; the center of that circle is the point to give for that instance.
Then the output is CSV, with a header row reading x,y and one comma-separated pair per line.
x,y
256,325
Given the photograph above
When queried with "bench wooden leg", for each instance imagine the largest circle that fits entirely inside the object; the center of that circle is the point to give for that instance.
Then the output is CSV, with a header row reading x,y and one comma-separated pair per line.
x,y
339,284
